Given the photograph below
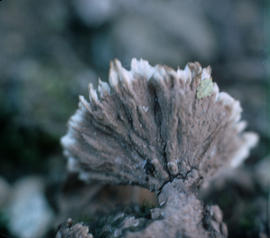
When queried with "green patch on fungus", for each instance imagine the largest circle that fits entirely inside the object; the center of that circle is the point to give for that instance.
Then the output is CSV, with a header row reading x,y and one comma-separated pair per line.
x,y
205,88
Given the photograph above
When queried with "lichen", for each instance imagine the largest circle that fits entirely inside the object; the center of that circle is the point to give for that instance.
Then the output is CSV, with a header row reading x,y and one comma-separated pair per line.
x,y
205,88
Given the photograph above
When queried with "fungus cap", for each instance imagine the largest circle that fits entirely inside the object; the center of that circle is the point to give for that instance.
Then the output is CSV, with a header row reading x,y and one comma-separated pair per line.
x,y
151,124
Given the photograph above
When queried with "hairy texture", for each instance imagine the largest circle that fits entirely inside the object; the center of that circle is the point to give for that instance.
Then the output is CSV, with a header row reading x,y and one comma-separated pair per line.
x,y
150,125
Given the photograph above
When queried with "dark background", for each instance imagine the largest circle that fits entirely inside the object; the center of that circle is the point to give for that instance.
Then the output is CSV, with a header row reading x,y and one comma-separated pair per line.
x,y
50,51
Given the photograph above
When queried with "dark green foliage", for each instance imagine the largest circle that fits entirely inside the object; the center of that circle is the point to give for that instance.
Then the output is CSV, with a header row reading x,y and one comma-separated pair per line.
x,y
23,149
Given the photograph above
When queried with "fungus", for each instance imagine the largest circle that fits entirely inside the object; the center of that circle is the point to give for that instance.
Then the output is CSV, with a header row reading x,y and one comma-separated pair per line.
x,y
166,130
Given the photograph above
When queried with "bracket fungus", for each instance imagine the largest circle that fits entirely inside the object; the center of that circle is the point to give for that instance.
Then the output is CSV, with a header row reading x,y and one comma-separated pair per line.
x,y
163,129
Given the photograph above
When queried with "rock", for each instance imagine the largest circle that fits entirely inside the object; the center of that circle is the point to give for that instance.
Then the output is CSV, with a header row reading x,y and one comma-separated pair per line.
x,y
28,212
95,12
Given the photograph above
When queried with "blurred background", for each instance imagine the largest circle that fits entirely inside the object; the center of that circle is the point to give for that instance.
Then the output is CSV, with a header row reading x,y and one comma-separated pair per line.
x,y
50,51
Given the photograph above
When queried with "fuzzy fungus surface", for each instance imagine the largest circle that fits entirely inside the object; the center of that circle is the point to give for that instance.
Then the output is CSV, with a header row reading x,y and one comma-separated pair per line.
x,y
162,129
152,123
